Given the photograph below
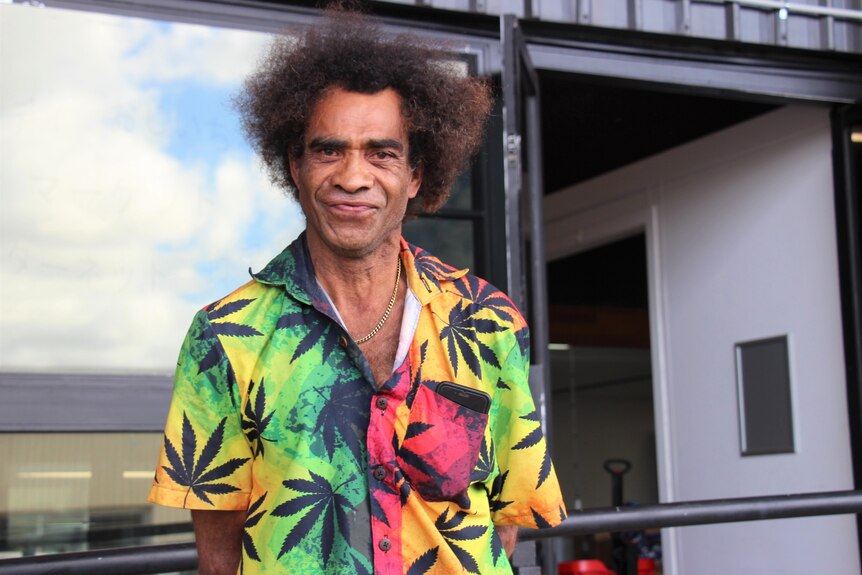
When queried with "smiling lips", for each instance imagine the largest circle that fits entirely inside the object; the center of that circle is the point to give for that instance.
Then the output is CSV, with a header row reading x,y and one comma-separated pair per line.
x,y
348,207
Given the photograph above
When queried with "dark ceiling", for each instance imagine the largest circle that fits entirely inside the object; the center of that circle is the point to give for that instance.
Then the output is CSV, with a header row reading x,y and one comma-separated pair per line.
x,y
612,275
590,128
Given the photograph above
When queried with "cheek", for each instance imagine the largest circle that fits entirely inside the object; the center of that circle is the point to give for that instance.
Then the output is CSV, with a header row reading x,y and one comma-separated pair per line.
x,y
310,170
303,175
305,193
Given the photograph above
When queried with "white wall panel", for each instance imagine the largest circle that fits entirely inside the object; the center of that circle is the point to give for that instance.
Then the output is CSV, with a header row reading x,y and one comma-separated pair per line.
x,y
749,250
746,245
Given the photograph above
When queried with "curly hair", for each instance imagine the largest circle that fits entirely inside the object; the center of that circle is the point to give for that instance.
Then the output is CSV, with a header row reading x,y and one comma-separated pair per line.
x,y
444,113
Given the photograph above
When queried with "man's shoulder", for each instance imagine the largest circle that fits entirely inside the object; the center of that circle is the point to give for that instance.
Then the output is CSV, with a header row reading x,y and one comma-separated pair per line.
x,y
251,290
244,309
476,292
464,289
274,280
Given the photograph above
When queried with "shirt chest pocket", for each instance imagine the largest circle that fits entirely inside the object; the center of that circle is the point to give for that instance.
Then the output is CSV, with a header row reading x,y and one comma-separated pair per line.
x,y
441,446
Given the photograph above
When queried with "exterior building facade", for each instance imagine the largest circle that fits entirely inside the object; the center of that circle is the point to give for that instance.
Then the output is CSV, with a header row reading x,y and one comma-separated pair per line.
x,y
751,235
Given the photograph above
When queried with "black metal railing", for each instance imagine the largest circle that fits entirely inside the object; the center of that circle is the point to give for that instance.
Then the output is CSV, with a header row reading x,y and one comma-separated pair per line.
x,y
701,513
145,560
94,537
182,557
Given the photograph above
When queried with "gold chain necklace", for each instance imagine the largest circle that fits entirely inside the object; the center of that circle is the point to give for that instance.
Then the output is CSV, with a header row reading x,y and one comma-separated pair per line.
x,y
388,308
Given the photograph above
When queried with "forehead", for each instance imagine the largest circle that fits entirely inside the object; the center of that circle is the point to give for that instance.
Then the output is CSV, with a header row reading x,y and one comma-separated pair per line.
x,y
353,115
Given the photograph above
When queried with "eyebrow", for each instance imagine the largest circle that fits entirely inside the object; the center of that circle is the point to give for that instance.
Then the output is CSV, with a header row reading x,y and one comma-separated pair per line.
x,y
391,144
373,144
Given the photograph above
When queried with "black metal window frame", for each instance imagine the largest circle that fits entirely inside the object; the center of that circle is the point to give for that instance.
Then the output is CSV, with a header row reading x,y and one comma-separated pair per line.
x,y
848,199
479,214
707,67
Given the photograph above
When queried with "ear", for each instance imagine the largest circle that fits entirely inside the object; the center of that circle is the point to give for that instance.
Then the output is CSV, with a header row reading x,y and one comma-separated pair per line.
x,y
415,182
294,167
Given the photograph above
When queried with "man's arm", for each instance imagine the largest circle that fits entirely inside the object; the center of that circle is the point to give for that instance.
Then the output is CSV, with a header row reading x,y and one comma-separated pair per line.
x,y
509,536
218,535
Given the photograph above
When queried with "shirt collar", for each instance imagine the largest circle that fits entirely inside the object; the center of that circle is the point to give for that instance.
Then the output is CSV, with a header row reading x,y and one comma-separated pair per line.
x,y
424,272
293,269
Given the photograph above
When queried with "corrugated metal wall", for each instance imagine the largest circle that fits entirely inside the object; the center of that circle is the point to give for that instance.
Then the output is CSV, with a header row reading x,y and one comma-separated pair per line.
x,y
830,25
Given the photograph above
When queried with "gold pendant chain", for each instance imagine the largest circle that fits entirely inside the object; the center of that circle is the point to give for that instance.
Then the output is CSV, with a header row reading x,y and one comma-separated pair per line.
x,y
388,308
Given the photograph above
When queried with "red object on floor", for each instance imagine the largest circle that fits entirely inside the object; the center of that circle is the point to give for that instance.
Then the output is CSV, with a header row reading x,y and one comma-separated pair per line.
x,y
583,567
646,566
595,567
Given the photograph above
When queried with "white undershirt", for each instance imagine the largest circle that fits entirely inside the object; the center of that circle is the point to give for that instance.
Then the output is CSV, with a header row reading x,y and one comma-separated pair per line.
x,y
409,322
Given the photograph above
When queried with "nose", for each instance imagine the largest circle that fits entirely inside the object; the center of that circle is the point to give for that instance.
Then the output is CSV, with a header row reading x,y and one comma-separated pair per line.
x,y
352,174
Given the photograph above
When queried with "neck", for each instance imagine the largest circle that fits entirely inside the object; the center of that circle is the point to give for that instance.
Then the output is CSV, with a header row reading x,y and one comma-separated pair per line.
x,y
350,279
362,290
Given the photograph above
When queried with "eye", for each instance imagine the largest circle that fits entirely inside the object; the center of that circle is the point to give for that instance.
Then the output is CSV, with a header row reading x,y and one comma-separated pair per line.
x,y
326,153
382,155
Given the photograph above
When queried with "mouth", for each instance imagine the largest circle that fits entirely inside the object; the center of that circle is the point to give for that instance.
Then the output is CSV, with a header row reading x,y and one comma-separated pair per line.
x,y
350,207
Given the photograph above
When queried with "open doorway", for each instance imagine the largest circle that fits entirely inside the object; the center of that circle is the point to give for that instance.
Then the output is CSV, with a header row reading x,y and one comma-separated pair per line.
x,y
602,380
600,372
602,390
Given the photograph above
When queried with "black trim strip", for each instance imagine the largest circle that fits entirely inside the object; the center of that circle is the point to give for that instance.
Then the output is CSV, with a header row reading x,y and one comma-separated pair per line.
x,y
848,180
73,402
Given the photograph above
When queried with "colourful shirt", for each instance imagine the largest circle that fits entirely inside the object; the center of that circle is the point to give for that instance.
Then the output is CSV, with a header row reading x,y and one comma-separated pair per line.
x,y
275,412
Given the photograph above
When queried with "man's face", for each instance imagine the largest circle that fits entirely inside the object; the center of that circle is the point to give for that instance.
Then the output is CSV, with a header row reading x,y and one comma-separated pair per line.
x,y
354,178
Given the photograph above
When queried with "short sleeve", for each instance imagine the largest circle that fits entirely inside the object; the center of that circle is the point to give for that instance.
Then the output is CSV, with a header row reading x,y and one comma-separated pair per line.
x,y
526,491
205,460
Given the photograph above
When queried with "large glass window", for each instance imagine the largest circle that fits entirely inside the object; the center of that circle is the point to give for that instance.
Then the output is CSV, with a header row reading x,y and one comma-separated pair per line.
x,y
128,199
451,234
63,492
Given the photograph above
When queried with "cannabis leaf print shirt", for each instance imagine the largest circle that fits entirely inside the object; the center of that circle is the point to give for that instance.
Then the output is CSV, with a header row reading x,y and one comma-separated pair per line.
x,y
275,413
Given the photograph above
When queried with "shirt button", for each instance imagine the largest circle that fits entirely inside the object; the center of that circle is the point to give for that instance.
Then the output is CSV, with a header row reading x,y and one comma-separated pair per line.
x,y
385,544
381,403
342,341
379,473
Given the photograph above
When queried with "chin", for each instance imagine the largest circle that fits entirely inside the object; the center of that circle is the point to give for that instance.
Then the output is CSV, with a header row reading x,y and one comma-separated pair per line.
x,y
352,248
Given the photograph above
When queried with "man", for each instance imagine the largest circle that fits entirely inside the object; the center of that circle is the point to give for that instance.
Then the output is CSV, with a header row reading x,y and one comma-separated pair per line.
x,y
359,406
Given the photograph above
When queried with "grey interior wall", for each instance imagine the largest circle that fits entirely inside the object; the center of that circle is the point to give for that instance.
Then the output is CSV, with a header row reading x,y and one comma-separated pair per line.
x,y
602,408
